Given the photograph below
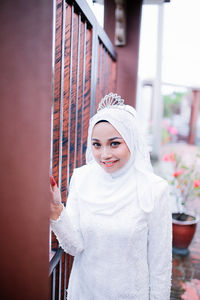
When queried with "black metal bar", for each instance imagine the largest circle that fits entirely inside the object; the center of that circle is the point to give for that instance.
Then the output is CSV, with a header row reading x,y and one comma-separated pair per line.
x,y
52,105
100,68
54,284
84,7
61,97
77,90
53,80
103,69
83,90
86,10
60,278
70,92
94,68
65,277
106,42
55,260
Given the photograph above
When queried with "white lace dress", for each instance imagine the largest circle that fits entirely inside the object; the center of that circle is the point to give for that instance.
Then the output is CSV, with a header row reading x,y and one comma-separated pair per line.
x,y
121,252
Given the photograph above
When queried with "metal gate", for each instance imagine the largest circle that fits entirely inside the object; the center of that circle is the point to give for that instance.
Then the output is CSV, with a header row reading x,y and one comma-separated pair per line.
x,y
84,70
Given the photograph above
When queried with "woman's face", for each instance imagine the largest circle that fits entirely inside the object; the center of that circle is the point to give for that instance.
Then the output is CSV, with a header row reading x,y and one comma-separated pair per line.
x,y
109,148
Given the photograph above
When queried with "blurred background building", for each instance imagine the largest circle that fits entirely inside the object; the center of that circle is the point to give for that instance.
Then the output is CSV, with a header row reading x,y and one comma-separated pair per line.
x,y
168,76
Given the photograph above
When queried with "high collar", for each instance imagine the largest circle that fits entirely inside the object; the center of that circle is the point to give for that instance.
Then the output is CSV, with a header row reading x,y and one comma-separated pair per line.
x,y
120,173
123,170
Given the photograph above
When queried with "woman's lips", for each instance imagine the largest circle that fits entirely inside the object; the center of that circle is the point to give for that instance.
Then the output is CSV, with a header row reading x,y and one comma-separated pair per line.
x,y
109,164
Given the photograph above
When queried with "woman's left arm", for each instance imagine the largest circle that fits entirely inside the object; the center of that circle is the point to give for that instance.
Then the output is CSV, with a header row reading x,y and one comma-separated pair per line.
x,y
160,246
66,226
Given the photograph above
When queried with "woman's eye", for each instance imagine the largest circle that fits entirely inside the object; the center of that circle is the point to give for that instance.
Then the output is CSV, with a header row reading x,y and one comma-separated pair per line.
x,y
96,145
115,144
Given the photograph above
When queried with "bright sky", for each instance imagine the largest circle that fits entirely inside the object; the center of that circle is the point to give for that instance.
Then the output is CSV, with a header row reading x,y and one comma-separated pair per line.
x,y
181,42
98,11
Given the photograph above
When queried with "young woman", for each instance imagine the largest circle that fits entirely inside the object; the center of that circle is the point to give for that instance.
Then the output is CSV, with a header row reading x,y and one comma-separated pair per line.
x,y
117,221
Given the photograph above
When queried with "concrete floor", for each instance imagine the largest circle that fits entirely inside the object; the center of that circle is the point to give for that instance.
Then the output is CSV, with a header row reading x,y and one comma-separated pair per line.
x,y
186,272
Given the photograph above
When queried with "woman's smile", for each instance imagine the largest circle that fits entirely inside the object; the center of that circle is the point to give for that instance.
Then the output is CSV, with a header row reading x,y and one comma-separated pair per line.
x,y
109,164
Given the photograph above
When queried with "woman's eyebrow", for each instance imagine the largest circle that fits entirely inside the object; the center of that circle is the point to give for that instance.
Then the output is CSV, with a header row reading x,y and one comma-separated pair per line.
x,y
115,138
111,139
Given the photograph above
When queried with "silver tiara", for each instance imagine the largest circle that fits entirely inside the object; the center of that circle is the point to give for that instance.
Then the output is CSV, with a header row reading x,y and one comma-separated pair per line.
x,y
110,101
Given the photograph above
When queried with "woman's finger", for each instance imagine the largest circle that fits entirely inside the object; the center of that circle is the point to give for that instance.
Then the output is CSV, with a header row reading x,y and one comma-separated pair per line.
x,y
55,194
52,181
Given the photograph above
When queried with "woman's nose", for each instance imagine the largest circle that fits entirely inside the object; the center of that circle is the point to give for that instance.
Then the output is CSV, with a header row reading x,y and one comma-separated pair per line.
x,y
105,153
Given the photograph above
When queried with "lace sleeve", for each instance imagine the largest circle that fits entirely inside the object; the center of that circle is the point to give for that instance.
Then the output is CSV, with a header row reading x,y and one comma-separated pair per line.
x,y
66,227
160,248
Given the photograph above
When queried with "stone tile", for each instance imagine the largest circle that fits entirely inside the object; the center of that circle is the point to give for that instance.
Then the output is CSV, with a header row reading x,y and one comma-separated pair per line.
x,y
192,290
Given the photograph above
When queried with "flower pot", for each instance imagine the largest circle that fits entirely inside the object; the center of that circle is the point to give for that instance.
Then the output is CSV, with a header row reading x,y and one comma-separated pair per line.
x,y
184,227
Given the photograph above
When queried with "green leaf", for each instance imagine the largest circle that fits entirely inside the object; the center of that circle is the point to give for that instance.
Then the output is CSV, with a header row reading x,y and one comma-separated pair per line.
x,y
184,167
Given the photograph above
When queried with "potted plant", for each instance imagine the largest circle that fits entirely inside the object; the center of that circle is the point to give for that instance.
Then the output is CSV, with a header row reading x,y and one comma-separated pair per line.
x,y
184,188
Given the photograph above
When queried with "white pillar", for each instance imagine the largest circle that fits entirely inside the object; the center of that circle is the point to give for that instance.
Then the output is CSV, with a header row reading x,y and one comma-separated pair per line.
x,y
157,101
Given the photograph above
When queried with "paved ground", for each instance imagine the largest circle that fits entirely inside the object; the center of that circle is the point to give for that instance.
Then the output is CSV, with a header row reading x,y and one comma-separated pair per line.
x,y
186,270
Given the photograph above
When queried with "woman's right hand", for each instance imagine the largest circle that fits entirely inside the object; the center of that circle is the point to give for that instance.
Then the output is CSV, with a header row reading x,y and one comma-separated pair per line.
x,y
56,206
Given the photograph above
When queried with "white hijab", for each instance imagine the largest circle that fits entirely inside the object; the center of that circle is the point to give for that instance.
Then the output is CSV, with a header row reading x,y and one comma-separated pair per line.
x,y
135,179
